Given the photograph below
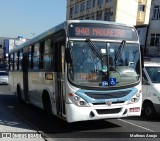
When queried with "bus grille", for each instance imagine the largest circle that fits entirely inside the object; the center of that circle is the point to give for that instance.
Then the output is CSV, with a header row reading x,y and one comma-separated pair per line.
x,y
104,103
108,111
110,95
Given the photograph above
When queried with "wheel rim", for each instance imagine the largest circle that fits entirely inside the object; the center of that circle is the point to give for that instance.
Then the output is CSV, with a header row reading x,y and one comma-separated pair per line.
x,y
148,111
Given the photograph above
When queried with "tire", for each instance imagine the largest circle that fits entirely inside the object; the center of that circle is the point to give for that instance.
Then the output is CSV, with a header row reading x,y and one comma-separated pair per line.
x,y
19,96
47,107
149,111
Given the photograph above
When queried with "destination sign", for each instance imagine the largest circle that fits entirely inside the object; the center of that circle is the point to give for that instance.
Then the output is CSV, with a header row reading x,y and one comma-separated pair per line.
x,y
86,31
101,31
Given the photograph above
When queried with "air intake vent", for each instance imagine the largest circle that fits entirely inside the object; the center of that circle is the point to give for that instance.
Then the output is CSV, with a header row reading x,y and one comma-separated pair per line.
x,y
117,102
107,95
108,111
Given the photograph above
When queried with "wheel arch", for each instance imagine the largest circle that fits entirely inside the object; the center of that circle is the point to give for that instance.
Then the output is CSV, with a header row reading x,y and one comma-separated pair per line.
x,y
46,95
18,88
19,92
147,101
47,102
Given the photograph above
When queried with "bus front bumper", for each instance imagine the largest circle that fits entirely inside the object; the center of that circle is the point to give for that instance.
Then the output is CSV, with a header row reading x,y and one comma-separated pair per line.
x,y
75,113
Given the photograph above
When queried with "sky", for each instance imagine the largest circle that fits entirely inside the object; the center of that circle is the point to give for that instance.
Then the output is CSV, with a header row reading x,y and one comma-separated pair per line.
x,y
29,18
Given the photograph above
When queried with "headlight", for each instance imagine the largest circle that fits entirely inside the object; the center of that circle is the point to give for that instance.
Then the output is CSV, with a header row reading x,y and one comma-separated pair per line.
x,y
135,98
78,101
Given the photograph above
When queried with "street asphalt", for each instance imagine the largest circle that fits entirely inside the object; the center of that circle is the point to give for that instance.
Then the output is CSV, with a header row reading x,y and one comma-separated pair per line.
x,y
13,128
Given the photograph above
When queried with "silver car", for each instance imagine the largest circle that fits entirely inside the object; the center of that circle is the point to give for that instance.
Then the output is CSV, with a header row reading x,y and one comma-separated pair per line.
x,y
3,77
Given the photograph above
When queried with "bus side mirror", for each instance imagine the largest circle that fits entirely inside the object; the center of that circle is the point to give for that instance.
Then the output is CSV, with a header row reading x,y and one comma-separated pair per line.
x,y
68,57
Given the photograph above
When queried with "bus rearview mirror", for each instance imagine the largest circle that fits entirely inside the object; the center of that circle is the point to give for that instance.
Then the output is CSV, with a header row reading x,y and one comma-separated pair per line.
x,y
68,56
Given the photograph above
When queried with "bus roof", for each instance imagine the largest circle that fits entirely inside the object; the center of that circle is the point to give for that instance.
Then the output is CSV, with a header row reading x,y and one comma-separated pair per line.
x,y
60,27
151,62
95,21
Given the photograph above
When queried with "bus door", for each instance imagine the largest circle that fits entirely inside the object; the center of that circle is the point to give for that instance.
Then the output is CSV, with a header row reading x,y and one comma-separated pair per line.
x,y
59,64
25,76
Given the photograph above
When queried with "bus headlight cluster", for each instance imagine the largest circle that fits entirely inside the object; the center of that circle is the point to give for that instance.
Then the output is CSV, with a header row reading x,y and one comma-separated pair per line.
x,y
135,98
77,100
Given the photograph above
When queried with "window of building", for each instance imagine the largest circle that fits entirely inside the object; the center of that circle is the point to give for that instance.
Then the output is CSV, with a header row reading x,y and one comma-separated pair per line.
x,y
82,7
155,39
87,18
93,3
92,17
88,6
99,2
99,15
76,9
156,12
71,12
141,7
108,1
107,15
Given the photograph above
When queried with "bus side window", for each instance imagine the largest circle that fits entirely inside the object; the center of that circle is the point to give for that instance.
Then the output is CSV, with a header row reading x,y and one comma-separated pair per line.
x,y
30,57
20,59
36,57
48,55
41,49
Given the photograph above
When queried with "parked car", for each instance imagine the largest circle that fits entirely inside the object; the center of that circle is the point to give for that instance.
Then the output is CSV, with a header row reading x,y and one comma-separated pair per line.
x,y
151,89
4,77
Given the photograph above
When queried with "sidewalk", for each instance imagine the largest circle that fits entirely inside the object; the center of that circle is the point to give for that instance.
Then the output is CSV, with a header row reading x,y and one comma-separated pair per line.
x,y
13,128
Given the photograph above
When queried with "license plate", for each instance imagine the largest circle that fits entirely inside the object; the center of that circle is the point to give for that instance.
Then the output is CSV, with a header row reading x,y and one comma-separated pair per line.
x,y
137,109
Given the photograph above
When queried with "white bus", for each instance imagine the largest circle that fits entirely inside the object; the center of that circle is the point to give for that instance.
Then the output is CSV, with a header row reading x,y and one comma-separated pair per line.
x,y
151,88
80,70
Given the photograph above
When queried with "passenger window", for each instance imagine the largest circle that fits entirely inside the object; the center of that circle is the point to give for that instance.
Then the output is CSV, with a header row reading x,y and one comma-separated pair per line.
x,y
20,60
48,55
41,55
36,56
30,57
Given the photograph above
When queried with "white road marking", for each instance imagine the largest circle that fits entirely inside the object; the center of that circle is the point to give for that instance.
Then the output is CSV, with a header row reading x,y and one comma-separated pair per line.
x,y
136,125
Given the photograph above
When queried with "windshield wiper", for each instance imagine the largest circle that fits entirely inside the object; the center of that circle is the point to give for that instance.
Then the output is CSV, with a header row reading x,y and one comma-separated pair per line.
x,y
94,49
120,49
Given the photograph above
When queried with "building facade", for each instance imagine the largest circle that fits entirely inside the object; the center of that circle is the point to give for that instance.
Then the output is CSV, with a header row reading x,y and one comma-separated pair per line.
x,y
7,44
132,12
153,39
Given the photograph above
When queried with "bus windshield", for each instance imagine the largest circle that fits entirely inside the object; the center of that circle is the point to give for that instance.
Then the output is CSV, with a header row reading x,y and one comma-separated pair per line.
x,y
95,64
154,74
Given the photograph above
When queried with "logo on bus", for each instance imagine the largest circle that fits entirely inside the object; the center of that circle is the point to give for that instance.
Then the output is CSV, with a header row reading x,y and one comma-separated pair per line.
x,y
109,103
